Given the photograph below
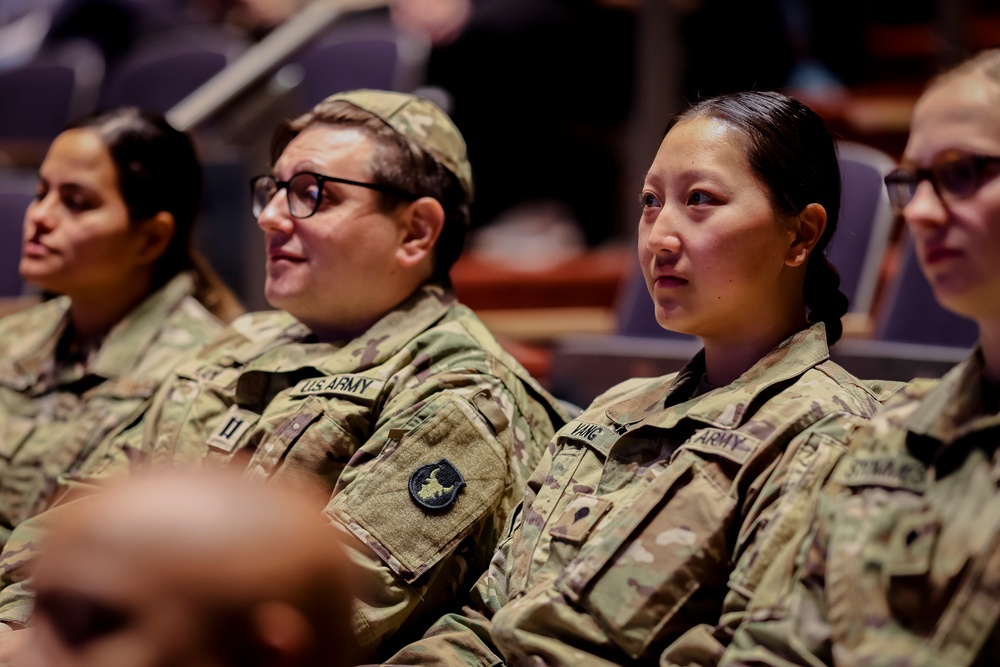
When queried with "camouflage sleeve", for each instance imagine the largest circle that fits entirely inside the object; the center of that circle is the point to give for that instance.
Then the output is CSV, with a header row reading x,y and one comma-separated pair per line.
x,y
111,461
24,545
787,624
778,508
463,639
425,500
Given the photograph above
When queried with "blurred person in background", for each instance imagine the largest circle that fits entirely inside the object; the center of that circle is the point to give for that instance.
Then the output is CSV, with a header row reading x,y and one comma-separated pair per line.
x,y
109,234
192,569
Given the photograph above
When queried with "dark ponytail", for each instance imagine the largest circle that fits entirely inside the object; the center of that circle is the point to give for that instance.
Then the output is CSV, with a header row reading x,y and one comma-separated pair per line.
x,y
791,151
824,299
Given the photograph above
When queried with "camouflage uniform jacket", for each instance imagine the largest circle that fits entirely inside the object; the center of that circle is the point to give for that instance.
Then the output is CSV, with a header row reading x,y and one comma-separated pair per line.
x,y
54,413
417,437
653,514
902,563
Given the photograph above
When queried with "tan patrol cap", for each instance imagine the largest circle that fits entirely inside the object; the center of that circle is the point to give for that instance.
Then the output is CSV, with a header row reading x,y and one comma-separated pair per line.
x,y
420,120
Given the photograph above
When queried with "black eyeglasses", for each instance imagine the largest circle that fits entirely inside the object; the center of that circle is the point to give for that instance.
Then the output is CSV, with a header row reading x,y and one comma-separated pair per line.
x,y
305,192
956,177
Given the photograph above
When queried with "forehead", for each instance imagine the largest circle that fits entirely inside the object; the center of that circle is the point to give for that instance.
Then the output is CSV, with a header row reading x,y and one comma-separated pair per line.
x,y
78,153
334,150
957,114
702,143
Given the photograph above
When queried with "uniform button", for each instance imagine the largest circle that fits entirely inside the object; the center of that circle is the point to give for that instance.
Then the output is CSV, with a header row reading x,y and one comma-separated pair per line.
x,y
296,426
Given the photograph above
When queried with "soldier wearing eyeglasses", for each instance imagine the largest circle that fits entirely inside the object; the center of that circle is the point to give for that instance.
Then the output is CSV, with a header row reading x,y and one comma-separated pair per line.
x,y
370,378
901,565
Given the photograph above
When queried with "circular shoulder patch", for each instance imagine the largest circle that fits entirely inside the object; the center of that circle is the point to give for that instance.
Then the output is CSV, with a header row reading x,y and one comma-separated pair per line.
x,y
436,485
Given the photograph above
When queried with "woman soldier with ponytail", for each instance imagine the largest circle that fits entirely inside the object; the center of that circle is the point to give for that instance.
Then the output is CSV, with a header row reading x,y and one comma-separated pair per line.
x,y
645,529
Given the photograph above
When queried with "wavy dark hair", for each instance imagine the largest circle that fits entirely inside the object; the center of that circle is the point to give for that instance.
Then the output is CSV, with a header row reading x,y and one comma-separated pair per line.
x,y
792,153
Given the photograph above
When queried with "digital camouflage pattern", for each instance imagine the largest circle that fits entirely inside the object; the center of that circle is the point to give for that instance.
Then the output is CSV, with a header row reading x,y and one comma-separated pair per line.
x,y
421,121
54,411
654,513
901,567
427,385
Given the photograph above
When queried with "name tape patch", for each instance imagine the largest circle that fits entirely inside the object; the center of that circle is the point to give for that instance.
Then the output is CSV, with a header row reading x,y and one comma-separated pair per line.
x,y
734,445
900,472
351,386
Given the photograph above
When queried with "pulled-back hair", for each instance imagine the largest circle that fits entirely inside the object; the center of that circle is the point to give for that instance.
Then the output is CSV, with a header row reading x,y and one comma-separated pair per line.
x,y
400,163
158,170
790,150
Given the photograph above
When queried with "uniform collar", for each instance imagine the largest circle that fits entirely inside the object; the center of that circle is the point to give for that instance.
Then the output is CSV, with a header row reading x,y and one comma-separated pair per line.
x,y
296,346
32,355
953,407
130,339
726,406
397,328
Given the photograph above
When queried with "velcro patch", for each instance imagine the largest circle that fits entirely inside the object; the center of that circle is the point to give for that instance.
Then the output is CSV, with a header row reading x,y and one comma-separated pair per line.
x,y
231,428
579,519
434,486
734,445
349,385
211,374
894,472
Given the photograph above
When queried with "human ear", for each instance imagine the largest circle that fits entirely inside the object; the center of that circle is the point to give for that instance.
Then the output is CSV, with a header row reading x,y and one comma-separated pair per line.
x,y
807,228
155,234
422,221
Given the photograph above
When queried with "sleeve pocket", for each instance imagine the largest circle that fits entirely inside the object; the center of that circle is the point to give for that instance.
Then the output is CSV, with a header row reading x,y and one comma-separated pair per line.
x,y
381,511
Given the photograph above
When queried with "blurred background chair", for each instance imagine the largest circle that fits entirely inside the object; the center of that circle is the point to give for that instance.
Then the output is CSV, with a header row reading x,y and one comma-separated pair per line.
x,y
40,97
169,66
913,335
370,52
17,189
865,224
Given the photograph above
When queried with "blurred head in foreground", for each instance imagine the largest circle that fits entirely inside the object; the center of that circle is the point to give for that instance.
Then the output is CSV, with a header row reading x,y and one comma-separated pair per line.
x,y
192,569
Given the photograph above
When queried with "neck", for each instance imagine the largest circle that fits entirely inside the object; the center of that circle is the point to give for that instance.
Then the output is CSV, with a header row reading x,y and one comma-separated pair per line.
x,y
989,342
94,314
726,360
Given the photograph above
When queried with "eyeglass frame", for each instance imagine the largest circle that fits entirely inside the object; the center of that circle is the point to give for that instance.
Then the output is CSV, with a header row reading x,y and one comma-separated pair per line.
x,y
321,181
931,174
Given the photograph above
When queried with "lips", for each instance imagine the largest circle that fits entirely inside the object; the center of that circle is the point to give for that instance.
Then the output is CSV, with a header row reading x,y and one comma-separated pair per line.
x,y
279,255
36,250
666,278
939,254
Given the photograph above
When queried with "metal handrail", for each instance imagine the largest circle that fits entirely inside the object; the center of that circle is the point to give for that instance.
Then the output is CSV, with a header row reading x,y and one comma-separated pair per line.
x,y
261,60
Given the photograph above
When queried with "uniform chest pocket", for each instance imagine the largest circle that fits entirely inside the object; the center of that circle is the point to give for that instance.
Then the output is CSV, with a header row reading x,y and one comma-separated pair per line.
x,y
908,560
639,570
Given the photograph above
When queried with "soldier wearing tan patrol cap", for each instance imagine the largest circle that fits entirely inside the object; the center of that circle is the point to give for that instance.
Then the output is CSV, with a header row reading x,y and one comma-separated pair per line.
x,y
371,379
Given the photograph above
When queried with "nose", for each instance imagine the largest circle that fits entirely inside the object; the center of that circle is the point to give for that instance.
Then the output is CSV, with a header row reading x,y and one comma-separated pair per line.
x,y
926,209
663,234
275,216
39,215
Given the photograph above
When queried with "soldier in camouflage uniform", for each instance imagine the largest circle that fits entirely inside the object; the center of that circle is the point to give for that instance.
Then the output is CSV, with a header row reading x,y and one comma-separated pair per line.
x,y
646,527
109,230
902,562
373,380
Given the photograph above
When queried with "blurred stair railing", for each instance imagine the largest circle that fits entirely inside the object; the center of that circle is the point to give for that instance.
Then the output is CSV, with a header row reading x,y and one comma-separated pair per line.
x,y
262,59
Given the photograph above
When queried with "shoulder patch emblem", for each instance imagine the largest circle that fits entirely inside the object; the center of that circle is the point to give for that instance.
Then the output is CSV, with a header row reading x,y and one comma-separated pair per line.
x,y
434,486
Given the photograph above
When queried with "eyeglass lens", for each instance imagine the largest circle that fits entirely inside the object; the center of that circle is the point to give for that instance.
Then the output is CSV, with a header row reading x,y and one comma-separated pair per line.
x,y
957,178
302,194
